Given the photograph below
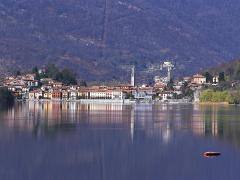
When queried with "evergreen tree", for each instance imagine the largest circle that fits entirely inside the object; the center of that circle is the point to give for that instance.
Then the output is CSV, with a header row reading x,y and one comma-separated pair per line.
x,y
209,77
35,70
18,73
83,83
65,76
52,71
170,85
221,76
237,73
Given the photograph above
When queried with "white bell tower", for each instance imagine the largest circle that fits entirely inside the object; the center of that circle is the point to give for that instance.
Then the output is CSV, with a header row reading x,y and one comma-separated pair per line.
x,y
133,76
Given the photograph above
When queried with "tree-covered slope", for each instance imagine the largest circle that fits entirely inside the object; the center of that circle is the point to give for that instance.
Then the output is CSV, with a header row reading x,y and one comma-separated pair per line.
x,y
96,38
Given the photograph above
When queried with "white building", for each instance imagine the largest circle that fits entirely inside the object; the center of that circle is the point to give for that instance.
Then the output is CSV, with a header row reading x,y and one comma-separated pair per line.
x,y
106,94
73,94
215,79
166,95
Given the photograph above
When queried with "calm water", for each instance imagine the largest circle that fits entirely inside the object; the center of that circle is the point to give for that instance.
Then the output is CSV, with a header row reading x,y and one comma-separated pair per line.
x,y
53,141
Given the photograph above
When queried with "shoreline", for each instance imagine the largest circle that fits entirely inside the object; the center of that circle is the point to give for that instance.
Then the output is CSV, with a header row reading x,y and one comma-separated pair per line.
x,y
213,103
105,101
127,102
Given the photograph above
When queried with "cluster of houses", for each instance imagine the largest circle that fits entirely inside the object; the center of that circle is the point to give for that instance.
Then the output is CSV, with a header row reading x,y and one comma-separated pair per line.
x,y
27,87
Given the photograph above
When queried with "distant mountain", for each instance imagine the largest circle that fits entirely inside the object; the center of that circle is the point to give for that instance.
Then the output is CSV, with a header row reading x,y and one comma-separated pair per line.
x,y
98,38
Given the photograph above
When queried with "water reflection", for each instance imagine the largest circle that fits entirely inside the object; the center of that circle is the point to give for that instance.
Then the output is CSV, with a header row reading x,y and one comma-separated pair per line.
x,y
153,120
110,141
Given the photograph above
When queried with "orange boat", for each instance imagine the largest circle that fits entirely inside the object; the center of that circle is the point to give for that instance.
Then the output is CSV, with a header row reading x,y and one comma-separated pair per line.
x,y
211,154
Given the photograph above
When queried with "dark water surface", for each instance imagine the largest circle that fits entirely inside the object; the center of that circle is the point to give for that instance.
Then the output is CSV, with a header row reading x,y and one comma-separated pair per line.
x,y
53,141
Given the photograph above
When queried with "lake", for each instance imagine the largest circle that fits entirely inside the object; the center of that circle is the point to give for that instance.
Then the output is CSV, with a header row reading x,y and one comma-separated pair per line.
x,y
68,141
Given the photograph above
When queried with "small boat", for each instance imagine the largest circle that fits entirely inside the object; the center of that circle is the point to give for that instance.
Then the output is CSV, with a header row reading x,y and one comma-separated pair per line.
x,y
211,154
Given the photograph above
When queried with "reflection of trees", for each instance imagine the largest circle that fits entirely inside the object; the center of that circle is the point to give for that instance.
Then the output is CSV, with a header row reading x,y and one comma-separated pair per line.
x,y
221,121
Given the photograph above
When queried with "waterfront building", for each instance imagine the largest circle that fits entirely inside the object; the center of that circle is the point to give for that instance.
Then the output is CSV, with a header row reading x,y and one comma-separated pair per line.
x,y
105,94
73,95
47,95
83,93
144,93
100,94
117,95
57,94
198,79
31,95
65,94
38,94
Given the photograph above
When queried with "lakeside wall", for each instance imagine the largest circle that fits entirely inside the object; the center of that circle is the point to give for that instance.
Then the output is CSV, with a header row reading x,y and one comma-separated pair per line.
x,y
112,101
86,101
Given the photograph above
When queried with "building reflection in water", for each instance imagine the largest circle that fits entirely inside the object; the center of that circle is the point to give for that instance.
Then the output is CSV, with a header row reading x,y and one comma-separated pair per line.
x,y
206,119
28,115
160,121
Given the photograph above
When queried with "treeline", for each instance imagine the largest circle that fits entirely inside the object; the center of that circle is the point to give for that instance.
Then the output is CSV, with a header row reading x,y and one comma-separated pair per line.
x,y
209,76
230,96
228,89
65,76
231,70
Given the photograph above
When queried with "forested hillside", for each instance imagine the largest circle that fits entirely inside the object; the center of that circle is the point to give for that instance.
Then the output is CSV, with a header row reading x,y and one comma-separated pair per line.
x,y
231,70
98,38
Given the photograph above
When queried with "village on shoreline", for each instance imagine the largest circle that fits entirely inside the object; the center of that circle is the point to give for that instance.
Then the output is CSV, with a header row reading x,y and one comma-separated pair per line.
x,y
38,86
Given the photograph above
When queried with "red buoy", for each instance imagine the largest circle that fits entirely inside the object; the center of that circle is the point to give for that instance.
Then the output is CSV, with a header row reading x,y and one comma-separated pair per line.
x,y
211,154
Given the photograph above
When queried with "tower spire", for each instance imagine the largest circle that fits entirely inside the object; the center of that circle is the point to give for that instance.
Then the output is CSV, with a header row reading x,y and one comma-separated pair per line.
x,y
133,76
